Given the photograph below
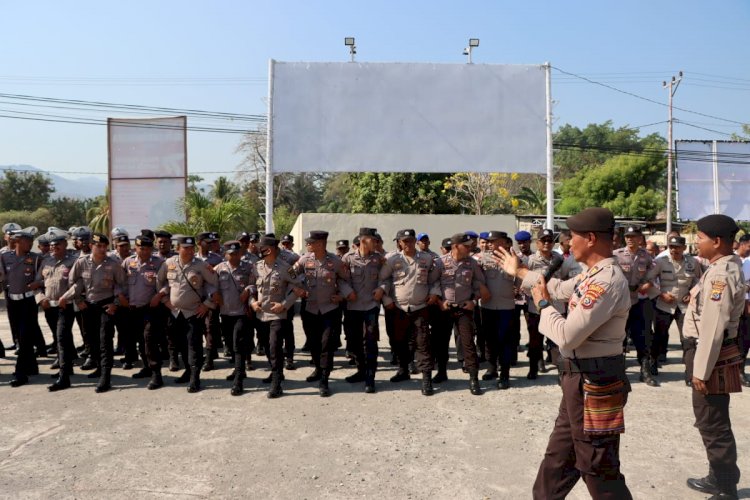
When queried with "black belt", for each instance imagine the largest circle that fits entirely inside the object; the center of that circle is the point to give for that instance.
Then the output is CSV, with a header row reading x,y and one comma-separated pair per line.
x,y
102,303
693,341
592,365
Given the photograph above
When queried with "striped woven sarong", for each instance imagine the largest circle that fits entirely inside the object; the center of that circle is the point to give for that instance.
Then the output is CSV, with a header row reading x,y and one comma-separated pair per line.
x,y
725,377
603,409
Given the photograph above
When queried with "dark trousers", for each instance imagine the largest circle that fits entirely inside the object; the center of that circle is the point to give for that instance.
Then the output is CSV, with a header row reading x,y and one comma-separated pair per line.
x,y
212,332
273,331
496,326
713,424
363,335
637,329
536,340
411,328
571,454
60,321
515,329
147,334
479,333
101,331
289,344
23,316
238,328
662,322
389,314
188,333
125,341
464,320
322,338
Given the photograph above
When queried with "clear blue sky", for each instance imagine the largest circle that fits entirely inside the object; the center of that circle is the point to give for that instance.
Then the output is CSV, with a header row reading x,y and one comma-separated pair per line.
x,y
172,53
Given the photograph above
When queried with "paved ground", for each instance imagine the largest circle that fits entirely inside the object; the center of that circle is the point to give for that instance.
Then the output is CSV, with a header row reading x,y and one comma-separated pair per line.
x,y
393,444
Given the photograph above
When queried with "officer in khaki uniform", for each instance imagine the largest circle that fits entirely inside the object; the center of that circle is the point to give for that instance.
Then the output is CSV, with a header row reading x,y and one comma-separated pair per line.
x,y
54,274
677,274
277,286
97,284
191,287
327,282
713,356
586,439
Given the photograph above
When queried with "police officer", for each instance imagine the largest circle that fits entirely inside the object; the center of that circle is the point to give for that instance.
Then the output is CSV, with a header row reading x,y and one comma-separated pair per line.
x,y
126,341
636,263
592,362
191,286
461,282
523,241
20,269
287,243
497,312
713,356
236,284
678,274
362,313
409,281
206,242
277,286
287,255
98,286
54,273
144,320
327,281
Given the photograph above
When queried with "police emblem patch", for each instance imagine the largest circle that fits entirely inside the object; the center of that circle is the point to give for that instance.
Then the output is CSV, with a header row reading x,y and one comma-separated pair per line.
x,y
592,294
717,288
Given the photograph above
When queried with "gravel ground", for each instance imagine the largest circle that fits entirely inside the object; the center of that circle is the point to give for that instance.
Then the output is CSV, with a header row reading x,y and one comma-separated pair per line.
x,y
392,444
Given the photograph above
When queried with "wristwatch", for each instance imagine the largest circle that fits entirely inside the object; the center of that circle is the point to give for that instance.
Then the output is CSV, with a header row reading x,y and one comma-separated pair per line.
x,y
542,304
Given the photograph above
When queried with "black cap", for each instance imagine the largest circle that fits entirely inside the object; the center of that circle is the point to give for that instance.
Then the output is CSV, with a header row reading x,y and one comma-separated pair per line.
x,y
342,243
405,234
593,220
149,233
205,235
745,237
123,238
143,241
162,234
56,237
186,241
378,237
368,231
43,239
254,237
316,236
268,241
243,236
545,233
446,243
496,235
10,227
718,226
232,246
676,241
460,239
215,236
99,238
287,238
633,231
355,241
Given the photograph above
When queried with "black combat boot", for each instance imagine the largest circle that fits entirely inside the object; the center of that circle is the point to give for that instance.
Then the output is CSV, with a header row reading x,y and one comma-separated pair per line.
x,y
357,377
275,391
89,364
401,375
440,376
232,375
63,382
209,364
533,368
195,380
104,381
184,378
323,388
370,381
95,374
707,485
315,375
156,380
144,372
491,373
237,388
174,363
427,389
474,383
646,376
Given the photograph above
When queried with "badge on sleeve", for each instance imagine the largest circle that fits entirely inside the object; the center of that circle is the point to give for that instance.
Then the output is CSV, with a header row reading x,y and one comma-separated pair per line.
x,y
592,294
717,288
292,272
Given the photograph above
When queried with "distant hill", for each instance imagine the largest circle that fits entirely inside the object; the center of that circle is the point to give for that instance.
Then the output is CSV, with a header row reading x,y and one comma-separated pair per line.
x,y
83,187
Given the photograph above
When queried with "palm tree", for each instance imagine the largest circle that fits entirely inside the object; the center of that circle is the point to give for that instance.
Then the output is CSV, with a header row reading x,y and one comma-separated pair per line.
x,y
534,202
225,216
98,215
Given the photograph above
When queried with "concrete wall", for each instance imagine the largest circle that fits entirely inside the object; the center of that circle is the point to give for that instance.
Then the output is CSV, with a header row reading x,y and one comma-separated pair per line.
x,y
346,226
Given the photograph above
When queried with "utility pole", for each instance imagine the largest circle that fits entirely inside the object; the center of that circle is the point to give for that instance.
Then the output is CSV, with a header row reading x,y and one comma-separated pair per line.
x,y
672,86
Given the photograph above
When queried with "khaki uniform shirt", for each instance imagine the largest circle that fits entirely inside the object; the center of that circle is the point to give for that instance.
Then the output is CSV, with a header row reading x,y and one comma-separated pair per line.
x,y
94,282
274,283
407,282
598,306
187,285
142,279
365,278
460,279
541,264
635,267
499,283
20,272
232,283
54,275
676,278
713,314
212,258
323,279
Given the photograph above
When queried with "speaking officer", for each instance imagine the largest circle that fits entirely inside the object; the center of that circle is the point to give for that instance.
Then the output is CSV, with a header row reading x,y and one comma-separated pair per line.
x,y
54,274
190,284
236,283
497,312
585,442
327,281
461,282
363,312
145,320
98,286
678,274
277,286
713,356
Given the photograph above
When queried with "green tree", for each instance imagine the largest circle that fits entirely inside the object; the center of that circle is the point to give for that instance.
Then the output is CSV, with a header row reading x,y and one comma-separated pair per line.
x,y
41,218
224,189
225,216
98,215
69,212
24,190
744,135
400,193
283,220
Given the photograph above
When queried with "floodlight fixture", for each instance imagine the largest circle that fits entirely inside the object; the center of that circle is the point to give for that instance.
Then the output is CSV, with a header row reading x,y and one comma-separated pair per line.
x,y
349,42
473,43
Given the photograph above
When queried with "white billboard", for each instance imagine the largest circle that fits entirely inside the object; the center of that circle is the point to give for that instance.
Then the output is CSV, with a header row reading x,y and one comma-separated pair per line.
x,y
712,177
395,117
147,171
